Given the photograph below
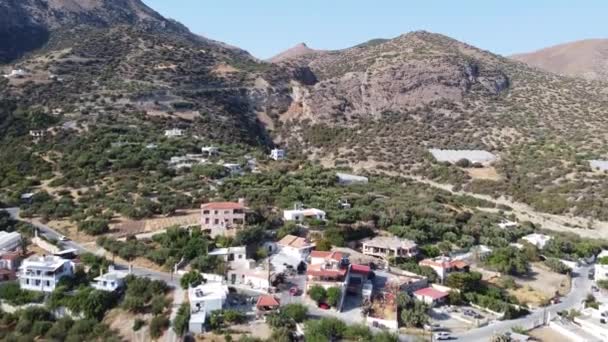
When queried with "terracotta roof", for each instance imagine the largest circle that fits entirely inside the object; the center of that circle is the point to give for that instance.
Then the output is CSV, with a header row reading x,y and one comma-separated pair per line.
x,y
318,271
11,256
222,205
294,241
431,292
327,255
360,269
267,301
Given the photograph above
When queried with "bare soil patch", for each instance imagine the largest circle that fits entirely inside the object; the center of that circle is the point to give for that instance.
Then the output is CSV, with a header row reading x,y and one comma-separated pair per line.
x,y
488,173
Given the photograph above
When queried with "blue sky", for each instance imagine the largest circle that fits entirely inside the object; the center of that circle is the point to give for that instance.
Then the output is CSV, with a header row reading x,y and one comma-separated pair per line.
x,y
267,27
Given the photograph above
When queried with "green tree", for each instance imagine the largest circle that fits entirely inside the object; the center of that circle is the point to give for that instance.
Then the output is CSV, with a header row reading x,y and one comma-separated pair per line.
x,y
415,314
158,324
324,329
317,293
464,281
191,279
508,260
182,319
334,294
297,312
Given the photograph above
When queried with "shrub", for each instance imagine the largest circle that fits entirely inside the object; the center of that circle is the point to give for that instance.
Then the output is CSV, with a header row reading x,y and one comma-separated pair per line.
x,y
158,324
317,293
138,324
297,312
334,294
557,266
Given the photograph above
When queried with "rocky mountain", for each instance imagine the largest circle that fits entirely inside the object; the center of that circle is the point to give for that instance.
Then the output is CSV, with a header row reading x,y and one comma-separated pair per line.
x,y
297,51
585,58
377,105
26,25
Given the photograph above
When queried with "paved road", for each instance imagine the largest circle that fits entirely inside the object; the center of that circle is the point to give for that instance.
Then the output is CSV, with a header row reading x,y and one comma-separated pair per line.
x,y
171,280
581,286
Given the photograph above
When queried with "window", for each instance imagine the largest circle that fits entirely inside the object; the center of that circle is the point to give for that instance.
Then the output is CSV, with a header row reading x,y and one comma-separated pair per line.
x,y
216,212
216,221
206,220
48,283
226,212
205,212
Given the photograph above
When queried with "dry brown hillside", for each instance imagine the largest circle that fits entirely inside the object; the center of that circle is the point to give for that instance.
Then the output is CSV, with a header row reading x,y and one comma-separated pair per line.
x,y
585,58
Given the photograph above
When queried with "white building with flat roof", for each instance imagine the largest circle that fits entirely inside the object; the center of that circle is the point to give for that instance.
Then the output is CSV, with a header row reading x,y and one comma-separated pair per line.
x,y
299,215
42,273
538,240
9,241
205,299
348,179
230,254
111,281
277,154
174,133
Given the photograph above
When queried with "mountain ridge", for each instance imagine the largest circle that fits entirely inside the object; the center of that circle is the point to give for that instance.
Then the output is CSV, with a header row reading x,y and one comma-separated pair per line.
x,y
586,58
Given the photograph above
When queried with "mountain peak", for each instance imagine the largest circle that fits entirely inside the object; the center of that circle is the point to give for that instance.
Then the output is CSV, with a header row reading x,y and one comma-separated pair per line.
x,y
298,50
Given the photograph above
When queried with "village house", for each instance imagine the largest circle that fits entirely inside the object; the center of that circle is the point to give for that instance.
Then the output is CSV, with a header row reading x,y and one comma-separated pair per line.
x,y
37,133
277,154
174,133
111,281
223,218
267,304
16,73
42,273
506,224
322,257
432,296
538,240
233,169
9,241
348,179
443,266
298,214
296,247
402,280
387,247
210,150
331,274
230,254
247,273
205,299
601,268
9,265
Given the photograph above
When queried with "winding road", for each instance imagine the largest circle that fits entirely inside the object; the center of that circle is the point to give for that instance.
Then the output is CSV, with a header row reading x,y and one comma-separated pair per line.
x,y
171,280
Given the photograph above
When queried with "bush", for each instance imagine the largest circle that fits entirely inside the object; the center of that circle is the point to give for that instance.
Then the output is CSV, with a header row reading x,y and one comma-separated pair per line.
x,y
557,266
297,312
158,324
182,319
334,294
14,295
138,324
317,293
95,226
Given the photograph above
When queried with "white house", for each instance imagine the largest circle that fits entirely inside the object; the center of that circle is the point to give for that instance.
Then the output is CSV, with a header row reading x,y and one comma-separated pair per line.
x,y
443,266
9,241
16,73
277,154
210,150
296,247
174,133
601,269
505,224
538,240
348,179
231,253
111,281
299,215
233,169
205,299
37,133
42,273
248,274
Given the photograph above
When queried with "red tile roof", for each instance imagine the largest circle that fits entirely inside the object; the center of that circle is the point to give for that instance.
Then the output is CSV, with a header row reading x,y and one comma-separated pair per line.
x,y
318,271
360,269
327,255
267,301
222,205
431,292
294,241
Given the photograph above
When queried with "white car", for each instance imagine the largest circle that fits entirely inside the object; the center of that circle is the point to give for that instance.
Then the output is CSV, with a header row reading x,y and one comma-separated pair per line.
x,y
63,238
442,335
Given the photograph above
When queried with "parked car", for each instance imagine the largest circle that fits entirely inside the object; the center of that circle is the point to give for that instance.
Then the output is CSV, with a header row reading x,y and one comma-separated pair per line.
x,y
442,335
324,306
63,238
294,291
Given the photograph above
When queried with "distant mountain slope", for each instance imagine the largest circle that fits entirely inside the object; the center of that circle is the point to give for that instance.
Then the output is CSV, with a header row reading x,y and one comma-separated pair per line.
x,y
26,25
297,51
585,58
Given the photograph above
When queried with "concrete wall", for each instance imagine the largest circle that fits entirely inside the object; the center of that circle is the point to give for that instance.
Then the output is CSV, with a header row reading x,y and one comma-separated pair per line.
x,y
46,245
